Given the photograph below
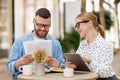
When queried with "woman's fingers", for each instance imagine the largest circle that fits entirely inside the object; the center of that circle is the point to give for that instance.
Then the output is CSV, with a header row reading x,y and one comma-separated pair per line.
x,y
86,59
70,65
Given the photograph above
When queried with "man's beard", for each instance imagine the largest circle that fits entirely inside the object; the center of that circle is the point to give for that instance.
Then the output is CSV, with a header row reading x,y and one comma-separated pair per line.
x,y
40,36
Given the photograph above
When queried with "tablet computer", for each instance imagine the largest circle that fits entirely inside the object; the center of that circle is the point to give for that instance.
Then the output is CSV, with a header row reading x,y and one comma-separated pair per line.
x,y
77,60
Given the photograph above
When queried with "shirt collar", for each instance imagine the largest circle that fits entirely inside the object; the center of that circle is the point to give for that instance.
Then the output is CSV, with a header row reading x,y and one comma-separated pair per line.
x,y
95,42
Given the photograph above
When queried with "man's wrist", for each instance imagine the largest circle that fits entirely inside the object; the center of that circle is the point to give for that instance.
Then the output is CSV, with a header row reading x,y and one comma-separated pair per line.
x,y
60,66
18,64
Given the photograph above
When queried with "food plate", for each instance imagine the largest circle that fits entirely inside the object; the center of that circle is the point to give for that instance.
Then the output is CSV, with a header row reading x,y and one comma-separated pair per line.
x,y
52,70
57,70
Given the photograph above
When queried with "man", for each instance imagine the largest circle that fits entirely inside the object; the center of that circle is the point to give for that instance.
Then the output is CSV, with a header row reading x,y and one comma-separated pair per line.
x,y
17,58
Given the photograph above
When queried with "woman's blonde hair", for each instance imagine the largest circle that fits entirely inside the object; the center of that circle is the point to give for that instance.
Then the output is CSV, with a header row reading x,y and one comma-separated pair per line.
x,y
91,17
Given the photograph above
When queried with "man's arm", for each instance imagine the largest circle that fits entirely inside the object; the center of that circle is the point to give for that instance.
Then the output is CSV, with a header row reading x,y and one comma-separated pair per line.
x,y
59,55
14,55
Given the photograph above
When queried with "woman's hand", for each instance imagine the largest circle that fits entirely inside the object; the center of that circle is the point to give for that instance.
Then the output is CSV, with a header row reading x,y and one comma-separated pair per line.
x,y
86,59
70,65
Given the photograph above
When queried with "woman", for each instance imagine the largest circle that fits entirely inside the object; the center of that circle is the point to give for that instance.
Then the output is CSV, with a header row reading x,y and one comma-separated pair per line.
x,y
94,49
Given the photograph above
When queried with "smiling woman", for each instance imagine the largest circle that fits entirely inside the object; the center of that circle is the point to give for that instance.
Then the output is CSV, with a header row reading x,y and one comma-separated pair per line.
x,y
94,49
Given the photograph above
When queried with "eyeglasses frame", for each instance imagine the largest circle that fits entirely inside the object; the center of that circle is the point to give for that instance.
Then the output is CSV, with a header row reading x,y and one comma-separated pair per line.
x,y
78,23
39,25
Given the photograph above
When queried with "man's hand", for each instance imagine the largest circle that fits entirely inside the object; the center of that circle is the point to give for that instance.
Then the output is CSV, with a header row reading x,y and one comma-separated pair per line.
x,y
26,59
52,62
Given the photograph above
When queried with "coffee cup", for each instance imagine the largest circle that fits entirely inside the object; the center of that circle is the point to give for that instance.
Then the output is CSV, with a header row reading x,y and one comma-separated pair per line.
x,y
68,72
26,69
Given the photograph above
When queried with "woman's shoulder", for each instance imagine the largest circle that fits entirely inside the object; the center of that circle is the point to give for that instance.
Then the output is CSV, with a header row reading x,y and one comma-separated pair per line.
x,y
106,42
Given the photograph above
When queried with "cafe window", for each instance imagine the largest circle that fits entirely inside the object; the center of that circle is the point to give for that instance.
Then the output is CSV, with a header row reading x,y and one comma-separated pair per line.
x,y
5,27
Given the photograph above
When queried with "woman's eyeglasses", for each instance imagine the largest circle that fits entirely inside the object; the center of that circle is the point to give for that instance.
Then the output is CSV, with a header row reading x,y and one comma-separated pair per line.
x,y
78,23
39,25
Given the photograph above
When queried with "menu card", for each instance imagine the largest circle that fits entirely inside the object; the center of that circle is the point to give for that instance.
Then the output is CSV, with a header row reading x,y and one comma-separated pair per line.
x,y
30,46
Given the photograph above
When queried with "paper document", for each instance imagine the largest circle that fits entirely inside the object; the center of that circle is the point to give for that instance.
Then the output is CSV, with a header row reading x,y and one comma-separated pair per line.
x,y
30,46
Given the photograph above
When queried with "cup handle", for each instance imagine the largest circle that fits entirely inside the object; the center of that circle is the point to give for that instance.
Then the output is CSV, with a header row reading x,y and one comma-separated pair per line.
x,y
21,69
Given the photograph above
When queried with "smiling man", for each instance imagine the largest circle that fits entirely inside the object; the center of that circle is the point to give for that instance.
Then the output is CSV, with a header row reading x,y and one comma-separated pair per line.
x,y
17,57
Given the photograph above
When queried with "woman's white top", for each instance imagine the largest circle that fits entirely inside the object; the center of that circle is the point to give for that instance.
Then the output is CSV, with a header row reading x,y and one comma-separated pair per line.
x,y
101,54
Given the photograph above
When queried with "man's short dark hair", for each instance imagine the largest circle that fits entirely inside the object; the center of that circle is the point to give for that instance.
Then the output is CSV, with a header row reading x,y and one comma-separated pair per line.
x,y
43,12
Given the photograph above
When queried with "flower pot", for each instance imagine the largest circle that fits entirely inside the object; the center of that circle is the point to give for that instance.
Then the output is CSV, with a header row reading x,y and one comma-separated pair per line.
x,y
39,69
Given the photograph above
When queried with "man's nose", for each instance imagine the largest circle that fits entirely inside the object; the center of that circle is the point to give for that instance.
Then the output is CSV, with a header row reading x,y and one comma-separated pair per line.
x,y
43,28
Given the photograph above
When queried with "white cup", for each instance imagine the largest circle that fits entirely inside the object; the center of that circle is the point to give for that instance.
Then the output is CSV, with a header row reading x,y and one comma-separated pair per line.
x,y
68,72
26,69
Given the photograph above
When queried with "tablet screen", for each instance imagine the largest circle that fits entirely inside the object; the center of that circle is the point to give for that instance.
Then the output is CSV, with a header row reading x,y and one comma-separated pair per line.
x,y
77,60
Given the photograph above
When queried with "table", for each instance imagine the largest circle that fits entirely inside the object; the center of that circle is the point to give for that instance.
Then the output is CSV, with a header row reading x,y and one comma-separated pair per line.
x,y
59,76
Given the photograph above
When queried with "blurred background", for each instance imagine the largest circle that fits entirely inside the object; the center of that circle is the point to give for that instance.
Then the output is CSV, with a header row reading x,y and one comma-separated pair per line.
x,y
16,19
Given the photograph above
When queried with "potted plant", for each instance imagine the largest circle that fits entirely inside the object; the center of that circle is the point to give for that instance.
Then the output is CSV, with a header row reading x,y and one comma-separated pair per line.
x,y
41,56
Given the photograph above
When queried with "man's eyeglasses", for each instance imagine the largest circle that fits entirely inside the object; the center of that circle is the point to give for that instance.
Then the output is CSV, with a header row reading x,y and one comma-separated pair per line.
x,y
78,23
39,25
